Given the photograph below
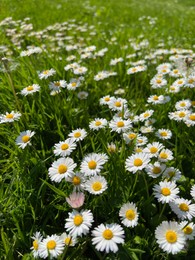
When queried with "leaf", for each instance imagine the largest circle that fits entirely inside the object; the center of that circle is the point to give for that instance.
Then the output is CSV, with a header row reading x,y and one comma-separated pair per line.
x,y
56,190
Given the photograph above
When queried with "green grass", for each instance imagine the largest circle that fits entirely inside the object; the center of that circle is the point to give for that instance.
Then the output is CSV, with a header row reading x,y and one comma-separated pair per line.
x,y
29,200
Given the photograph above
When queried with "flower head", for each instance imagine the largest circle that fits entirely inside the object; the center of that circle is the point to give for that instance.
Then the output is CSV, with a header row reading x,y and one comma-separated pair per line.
x,y
76,199
129,215
24,138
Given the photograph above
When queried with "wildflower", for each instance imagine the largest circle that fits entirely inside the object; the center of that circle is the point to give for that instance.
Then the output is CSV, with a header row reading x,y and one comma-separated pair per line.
x,y
76,199
61,169
179,82
37,238
111,147
146,129
192,191
79,223
141,140
190,119
82,95
46,73
115,61
137,162
52,246
80,70
183,104
57,85
165,155
166,191
96,185
30,89
129,137
117,104
153,149
170,237
158,82
98,123
172,173
77,179
92,164
147,114
10,117
183,208
180,115
74,84
129,215
188,229
24,138
68,239
65,148
120,125
106,237
155,170
106,100
78,134
164,134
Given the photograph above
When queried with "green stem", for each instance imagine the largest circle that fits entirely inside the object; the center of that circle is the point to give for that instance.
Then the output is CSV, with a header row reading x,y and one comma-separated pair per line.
x,y
136,178
146,185
163,209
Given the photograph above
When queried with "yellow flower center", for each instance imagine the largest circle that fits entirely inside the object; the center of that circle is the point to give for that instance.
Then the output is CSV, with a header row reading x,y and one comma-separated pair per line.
x,y
107,234
78,220
130,214
187,230
165,191
77,134
182,104
62,168
171,174
159,81
163,133
9,116
120,124
192,117
138,162
46,72
175,71
97,123
97,186
68,241
146,115
30,88
35,245
153,149
184,207
163,155
106,99
155,97
25,138
64,146
181,114
138,150
191,81
180,82
132,136
73,84
76,180
156,170
57,83
117,104
171,236
193,102
134,69
92,164
51,245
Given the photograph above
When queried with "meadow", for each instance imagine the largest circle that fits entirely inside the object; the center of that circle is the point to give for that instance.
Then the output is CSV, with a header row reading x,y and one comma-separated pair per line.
x,y
97,116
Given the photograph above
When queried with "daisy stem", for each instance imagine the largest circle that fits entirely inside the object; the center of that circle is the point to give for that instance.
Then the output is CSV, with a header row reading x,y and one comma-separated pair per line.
x,y
136,178
81,148
146,185
163,209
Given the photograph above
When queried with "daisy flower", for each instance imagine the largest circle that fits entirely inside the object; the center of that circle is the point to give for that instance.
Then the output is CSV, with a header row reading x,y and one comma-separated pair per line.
x,y
147,114
78,134
77,179
129,215
154,99
82,95
158,82
153,149
106,237
190,119
24,138
141,140
52,246
155,170
68,240
179,115
166,191
46,73
192,191
170,237
117,104
96,185
172,173
74,84
183,208
165,155
98,123
30,89
111,147
188,229
137,162
37,238
119,125
79,223
57,85
179,82
106,100
65,148
76,199
164,134
92,164
61,169
130,136
10,117
183,104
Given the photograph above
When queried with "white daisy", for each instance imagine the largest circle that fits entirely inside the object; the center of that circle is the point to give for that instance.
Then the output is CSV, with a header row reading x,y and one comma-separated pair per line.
x,y
137,162
65,148
147,114
24,138
179,115
183,208
147,129
153,149
37,238
77,179
172,173
68,239
61,169
46,73
163,134
192,191
82,95
106,237
183,104
190,119
130,136
165,155
30,89
170,237
120,125
78,134
117,104
57,85
129,215
166,191
155,170
10,117
96,185
106,100
188,229
74,84
98,123
79,223
92,164
52,246
141,140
